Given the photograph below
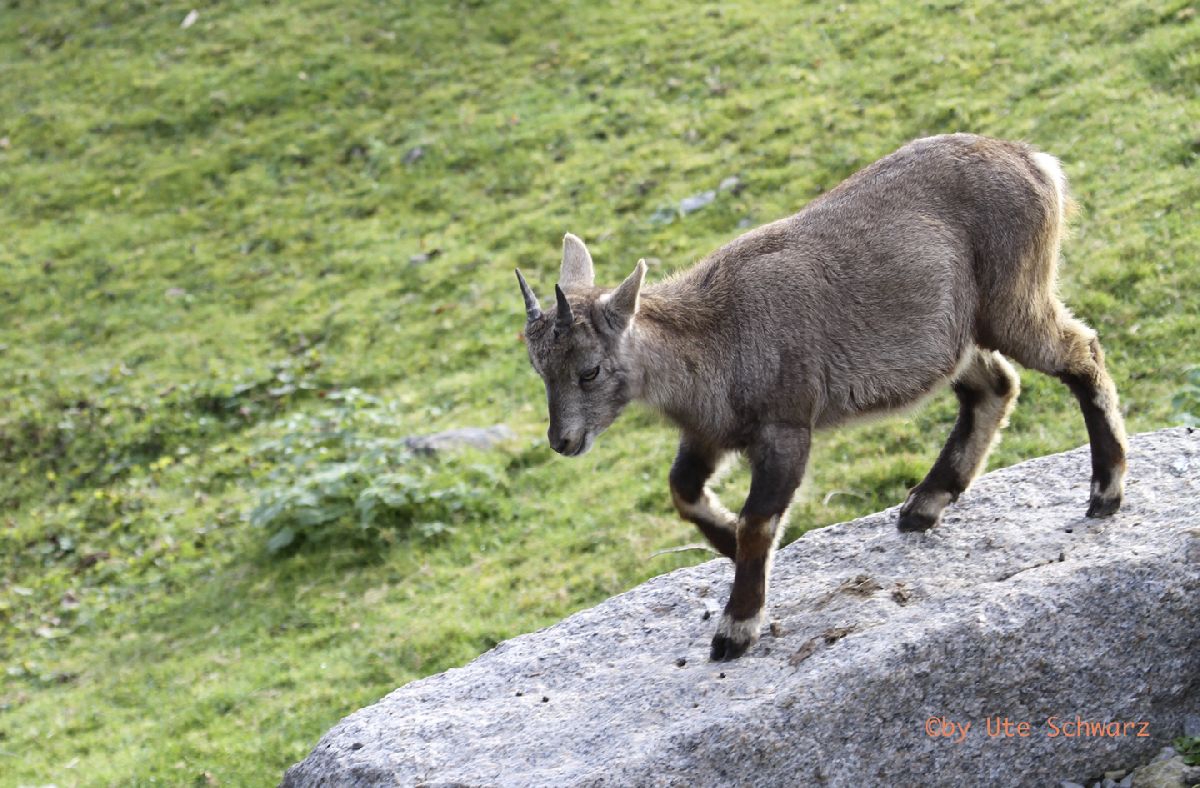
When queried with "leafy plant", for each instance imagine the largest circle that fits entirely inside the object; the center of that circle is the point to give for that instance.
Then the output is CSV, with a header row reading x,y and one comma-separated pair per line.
x,y
1186,402
1189,748
340,477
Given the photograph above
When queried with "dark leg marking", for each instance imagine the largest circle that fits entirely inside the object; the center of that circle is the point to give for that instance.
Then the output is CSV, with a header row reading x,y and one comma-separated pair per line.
x,y
985,394
1108,453
748,594
747,598
945,480
777,463
692,468
1071,352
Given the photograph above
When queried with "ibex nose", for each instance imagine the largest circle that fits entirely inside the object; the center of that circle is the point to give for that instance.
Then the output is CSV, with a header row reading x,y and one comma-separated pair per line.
x,y
559,442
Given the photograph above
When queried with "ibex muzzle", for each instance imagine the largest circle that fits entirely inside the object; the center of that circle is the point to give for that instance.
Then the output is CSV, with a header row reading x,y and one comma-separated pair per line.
x,y
929,266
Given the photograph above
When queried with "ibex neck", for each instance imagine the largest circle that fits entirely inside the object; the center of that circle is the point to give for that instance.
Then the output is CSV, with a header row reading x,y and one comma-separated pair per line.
x,y
668,344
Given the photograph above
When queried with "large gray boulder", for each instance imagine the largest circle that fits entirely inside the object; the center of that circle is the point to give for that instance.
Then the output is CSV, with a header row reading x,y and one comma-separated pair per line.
x,y
1016,608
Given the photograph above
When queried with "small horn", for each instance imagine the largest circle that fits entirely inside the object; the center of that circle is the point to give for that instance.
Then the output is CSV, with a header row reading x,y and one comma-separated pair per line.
x,y
533,309
565,318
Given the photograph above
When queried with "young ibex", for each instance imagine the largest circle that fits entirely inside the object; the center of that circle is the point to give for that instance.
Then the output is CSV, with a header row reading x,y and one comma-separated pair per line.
x,y
922,268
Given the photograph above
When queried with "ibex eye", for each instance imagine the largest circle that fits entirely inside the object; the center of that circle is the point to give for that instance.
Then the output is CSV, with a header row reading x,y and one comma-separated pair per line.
x,y
590,374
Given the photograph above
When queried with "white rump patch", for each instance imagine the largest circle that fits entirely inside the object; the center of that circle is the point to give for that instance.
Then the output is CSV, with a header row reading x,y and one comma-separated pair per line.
x,y
1052,169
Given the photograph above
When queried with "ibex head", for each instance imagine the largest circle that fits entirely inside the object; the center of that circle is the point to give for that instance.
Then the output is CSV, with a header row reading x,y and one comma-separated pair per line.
x,y
577,348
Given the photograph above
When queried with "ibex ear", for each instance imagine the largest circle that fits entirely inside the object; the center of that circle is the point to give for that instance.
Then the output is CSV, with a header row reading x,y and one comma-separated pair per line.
x,y
622,304
577,271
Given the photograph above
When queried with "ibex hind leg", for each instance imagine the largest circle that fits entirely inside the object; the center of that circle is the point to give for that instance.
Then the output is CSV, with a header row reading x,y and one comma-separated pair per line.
x,y
1062,346
986,389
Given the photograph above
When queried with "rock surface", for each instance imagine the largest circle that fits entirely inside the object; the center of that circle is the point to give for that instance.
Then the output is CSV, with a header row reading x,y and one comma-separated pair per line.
x,y
1168,770
884,645
463,437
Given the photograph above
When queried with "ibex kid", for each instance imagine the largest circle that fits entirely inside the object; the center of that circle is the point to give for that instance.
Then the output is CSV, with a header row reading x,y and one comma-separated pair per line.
x,y
924,267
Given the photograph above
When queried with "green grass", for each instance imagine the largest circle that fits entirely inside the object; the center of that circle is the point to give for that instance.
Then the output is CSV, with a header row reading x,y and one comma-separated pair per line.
x,y
208,233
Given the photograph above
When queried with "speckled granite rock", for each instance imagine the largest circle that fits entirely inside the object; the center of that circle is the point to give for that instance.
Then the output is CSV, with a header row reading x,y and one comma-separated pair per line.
x,y
463,437
1168,770
1016,607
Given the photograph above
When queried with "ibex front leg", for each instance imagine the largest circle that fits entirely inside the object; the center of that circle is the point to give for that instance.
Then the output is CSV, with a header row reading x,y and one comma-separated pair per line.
x,y
694,466
777,460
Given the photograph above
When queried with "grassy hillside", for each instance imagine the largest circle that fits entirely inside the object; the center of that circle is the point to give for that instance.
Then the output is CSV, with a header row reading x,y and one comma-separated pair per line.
x,y
240,259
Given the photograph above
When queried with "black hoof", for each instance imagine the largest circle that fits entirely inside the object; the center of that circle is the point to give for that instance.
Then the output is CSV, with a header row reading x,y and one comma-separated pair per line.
x,y
1103,507
910,522
725,648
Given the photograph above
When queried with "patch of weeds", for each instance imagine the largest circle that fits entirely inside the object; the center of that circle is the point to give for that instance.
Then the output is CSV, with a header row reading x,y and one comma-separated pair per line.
x,y
1189,748
339,476
1186,402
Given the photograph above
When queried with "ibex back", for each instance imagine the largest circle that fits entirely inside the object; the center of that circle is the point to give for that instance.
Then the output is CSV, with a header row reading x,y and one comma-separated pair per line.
x,y
928,266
